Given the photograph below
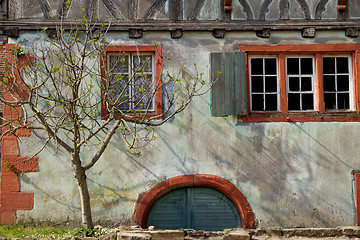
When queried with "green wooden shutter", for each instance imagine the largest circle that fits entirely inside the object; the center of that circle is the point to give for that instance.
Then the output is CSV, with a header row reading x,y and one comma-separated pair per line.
x,y
229,90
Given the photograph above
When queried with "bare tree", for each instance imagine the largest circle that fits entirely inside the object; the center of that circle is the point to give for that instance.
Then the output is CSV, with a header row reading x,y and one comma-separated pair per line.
x,y
67,86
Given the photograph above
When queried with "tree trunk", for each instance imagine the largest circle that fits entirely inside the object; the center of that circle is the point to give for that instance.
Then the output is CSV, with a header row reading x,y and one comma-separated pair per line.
x,y
80,176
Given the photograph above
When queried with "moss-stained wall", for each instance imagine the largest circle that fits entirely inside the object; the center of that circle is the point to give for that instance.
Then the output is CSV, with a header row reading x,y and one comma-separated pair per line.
x,y
292,174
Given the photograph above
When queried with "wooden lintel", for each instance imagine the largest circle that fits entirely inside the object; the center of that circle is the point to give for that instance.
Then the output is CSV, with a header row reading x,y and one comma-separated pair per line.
x,y
161,25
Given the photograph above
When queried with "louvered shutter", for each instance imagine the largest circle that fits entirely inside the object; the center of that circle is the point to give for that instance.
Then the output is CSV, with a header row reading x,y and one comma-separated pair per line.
x,y
229,89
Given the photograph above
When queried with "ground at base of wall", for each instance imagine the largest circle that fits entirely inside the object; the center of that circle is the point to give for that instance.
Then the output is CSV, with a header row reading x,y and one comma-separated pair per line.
x,y
126,233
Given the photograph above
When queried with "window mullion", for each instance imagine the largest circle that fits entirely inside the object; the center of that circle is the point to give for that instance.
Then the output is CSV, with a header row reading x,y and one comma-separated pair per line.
x,y
319,83
282,83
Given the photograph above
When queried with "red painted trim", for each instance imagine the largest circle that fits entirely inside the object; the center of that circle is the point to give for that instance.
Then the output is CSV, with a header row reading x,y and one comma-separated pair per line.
x,y
341,5
248,82
300,49
227,5
357,197
156,50
302,117
224,186
282,83
319,83
356,82
11,199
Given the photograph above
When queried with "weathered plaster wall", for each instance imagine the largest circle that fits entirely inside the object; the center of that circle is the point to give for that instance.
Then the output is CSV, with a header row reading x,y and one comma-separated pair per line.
x,y
292,174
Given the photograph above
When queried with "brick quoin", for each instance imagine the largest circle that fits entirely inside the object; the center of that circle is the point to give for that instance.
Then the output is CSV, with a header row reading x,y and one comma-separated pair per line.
x,y
11,199
146,200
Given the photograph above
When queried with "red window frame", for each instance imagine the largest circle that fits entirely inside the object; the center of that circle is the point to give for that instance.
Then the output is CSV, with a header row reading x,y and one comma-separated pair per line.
x,y
357,195
156,50
318,50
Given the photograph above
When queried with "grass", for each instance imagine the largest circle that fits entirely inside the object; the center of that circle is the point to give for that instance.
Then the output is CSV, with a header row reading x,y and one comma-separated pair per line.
x,y
20,231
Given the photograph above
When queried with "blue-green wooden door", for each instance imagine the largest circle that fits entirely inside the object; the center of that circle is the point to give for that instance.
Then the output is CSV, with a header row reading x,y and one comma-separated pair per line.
x,y
199,208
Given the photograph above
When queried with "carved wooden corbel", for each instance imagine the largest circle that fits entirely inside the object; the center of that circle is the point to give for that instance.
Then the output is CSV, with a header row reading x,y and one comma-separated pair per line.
x,y
227,5
341,5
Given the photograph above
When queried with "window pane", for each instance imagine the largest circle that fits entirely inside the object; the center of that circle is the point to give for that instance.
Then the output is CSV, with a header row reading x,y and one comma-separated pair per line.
x,y
329,83
119,64
142,63
292,66
294,101
143,92
306,84
328,65
257,102
120,92
343,83
256,66
343,101
270,66
307,101
330,100
306,66
294,84
257,84
342,65
270,84
271,102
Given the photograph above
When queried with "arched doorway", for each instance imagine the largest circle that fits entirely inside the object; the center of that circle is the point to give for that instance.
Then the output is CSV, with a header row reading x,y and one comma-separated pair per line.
x,y
148,200
200,208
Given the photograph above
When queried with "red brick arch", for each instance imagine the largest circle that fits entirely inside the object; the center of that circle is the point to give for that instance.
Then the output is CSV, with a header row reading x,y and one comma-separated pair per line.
x,y
224,186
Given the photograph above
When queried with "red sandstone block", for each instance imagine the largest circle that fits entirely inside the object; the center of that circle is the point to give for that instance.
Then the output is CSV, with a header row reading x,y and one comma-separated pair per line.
x,y
24,133
7,217
218,183
20,164
11,112
9,146
9,182
17,201
181,181
246,213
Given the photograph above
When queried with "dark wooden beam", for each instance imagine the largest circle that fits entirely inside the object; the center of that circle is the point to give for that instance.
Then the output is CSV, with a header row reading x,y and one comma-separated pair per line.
x,y
113,9
196,11
162,25
133,9
176,9
45,8
154,9
320,8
